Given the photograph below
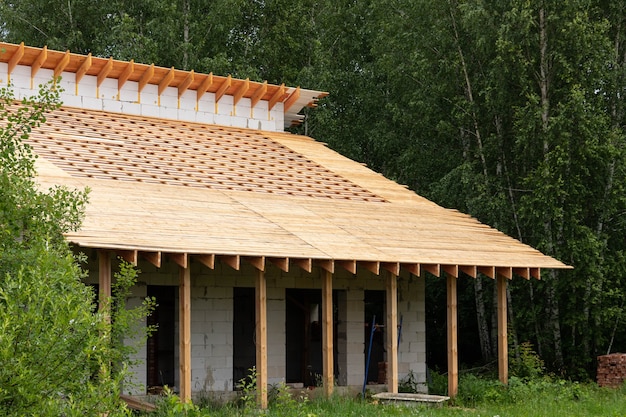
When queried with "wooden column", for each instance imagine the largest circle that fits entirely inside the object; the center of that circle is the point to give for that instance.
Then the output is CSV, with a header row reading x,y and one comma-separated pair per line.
x,y
327,332
261,339
392,333
453,359
184,318
503,351
104,282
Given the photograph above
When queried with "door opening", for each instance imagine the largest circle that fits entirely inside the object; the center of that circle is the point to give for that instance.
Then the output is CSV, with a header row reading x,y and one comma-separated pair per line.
x,y
161,344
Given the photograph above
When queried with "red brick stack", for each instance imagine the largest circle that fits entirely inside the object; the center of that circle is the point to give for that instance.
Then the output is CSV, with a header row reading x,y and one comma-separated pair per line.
x,y
612,370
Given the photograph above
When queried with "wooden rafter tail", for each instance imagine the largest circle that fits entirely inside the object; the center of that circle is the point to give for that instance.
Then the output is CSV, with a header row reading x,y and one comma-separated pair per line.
x,y
278,96
258,262
41,58
15,59
62,64
128,70
105,71
392,267
84,67
489,271
348,265
221,91
167,79
522,272
327,265
434,269
145,78
241,91
306,264
372,266
535,273
185,84
505,271
204,86
206,260
180,259
293,97
234,261
412,268
281,263
258,94
470,270
129,256
452,270
153,257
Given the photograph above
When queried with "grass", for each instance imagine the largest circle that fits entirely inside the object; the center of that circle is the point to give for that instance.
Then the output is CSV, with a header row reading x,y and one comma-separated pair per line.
x,y
477,397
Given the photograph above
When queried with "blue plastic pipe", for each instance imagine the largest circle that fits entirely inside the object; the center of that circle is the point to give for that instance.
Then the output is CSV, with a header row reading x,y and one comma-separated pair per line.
x,y
369,354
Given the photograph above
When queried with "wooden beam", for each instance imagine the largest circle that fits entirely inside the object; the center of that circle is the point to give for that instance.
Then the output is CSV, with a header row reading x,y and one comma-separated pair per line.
x,y
153,257
234,261
243,89
82,70
327,265
258,94
256,261
41,58
349,266
128,70
535,273
281,263
278,96
434,269
470,270
506,272
412,268
373,267
186,83
453,356
145,78
184,347
391,333
129,256
293,97
104,283
261,338
522,272
165,82
393,267
204,86
451,270
180,259
327,333
61,64
489,271
15,59
306,264
105,71
207,260
503,354
222,89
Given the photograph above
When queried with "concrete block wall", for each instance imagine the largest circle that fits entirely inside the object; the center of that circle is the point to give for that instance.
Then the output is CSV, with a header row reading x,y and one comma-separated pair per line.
x,y
129,100
412,348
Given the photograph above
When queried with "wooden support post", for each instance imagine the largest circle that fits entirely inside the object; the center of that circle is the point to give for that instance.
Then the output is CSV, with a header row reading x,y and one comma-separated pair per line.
x,y
104,283
392,333
503,353
261,339
184,301
327,333
453,360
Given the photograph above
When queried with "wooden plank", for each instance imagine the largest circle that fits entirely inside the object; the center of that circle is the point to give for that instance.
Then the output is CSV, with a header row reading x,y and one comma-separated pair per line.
x,y
82,70
62,64
434,269
258,94
41,58
180,259
165,82
129,256
135,403
153,257
453,359
105,71
327,333
489,271
293,97
349,266
243,89
393,267
451,270
261,338
128,70
503,354
207,260
204,86
222,89
184,298
281,263
278,96
306,264
327,265
233,261
470,270
392,333
256,261
15,59
182,87
145,78
373,267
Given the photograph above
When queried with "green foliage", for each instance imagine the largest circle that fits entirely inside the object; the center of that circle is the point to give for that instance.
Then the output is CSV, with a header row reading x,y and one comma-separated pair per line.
x,y
247,385
525,363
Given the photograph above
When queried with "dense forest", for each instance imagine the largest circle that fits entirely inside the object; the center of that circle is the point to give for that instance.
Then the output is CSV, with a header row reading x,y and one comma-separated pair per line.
x,y
511,111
